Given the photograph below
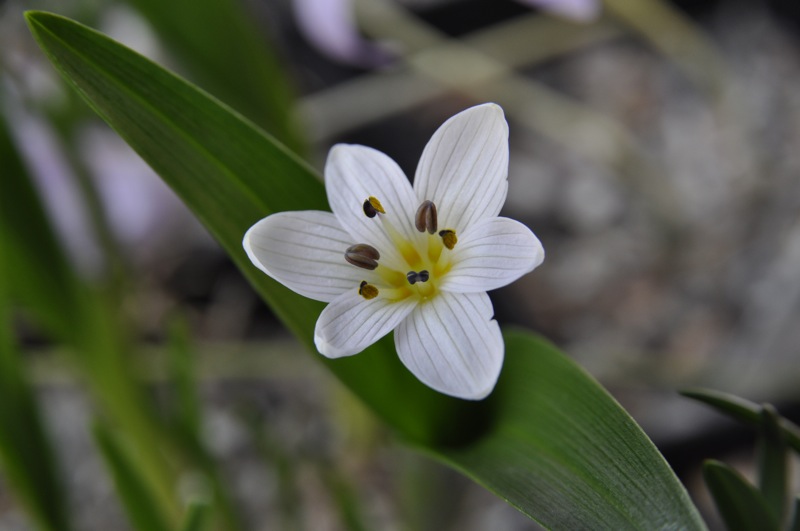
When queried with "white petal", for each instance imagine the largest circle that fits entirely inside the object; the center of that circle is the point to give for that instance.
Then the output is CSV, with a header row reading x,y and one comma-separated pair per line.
x,y
304,251
453,345
491,254
354,173
464,167
351,323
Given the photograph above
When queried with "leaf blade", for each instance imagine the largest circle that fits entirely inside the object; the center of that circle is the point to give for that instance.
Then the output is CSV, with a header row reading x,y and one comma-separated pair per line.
x,y
773,461
742,507
140,501
584,459
742,410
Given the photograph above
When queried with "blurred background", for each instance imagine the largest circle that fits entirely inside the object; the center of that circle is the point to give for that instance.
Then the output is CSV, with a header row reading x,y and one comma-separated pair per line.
x,y
655,151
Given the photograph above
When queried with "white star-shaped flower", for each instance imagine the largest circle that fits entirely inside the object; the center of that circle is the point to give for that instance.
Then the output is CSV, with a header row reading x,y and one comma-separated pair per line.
x,y
415,260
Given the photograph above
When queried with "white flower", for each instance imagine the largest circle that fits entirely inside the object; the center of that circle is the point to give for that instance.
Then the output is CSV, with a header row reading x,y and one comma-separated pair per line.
x,y
415,260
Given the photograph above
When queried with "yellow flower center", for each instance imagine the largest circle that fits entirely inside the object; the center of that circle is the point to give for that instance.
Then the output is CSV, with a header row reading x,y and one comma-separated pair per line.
x,y
423,263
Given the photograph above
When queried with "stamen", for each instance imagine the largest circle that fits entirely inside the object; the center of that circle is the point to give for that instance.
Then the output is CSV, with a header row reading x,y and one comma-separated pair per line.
x,y
449,238
426,218
414,277
368,291
363,256
372,206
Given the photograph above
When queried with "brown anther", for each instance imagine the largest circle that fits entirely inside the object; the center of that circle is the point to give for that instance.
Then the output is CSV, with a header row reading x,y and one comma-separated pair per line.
x,y
363,256
368,291
426,219
372,207
449,238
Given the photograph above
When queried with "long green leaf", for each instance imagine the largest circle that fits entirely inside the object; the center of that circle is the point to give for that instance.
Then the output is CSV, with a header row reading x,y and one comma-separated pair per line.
x,y
26,455
139,500
743,410
196,517
742,507
41,277
550,440
227,54
773,462
794,525
563,450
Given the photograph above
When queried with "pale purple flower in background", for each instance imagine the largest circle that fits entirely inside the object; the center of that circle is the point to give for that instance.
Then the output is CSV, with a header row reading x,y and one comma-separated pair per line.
x,y
418,260
577,10
330,26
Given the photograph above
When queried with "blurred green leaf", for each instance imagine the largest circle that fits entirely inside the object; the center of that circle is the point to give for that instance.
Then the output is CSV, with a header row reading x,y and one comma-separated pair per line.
x,y
549,440
345,499
25,451
140,502
795,523
742,410
26,454
742,507
40,275
187,416
228,56
185,425
196,517
773,462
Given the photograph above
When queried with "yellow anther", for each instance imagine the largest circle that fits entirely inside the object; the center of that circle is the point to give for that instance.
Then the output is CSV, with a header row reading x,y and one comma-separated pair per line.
x,y
376,204
449,238
368,291
372,206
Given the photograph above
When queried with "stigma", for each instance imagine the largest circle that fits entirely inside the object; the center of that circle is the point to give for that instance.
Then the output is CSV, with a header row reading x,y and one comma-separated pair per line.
x,y
414,277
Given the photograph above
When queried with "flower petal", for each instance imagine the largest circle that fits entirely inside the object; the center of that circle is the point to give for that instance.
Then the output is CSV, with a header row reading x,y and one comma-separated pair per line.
x,y
329,26
453,345
464,167
577,10
492,253
352,174
304,251
351,323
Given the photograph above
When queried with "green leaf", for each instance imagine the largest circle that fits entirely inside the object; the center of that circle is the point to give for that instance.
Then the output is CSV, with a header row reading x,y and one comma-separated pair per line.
x,y
550,440
140,502
561,449
185,424
743,410
742,507
227,55
773,462
26,454
41,276
795,523
186,410
196,517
